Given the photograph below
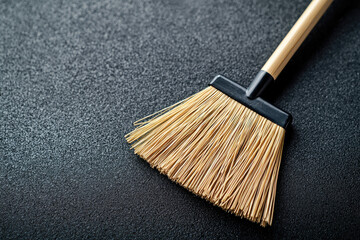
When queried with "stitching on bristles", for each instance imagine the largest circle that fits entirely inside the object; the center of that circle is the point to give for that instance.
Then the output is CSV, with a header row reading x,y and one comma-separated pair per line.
x,y
218,149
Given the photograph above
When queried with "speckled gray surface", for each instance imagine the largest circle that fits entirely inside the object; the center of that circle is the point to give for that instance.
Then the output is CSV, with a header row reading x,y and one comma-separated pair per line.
x,y
74,75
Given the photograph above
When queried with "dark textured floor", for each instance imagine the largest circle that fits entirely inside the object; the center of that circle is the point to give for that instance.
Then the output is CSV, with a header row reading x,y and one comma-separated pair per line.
x,y
74,75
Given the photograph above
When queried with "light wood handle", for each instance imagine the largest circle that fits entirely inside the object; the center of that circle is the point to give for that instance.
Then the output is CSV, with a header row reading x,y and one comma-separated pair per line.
x,y
295,37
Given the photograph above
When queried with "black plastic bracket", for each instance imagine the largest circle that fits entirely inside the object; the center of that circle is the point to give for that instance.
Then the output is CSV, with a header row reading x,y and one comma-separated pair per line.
x,y
259,84
259,105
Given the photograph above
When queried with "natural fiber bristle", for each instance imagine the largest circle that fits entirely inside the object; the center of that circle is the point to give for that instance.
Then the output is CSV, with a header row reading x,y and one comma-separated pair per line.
x,y
218,149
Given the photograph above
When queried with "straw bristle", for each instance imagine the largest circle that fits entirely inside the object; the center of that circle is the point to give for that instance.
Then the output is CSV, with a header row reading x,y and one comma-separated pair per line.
x,y
218,149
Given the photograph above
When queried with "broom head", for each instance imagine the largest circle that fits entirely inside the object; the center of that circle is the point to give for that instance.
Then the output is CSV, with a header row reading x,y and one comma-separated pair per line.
x,y
220,145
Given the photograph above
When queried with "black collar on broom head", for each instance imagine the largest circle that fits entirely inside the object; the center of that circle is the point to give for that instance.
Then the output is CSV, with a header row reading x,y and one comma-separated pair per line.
x,y
249,97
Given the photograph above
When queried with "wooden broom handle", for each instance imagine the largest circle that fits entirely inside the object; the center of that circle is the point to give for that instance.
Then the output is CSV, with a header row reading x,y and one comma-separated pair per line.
x,y
295,37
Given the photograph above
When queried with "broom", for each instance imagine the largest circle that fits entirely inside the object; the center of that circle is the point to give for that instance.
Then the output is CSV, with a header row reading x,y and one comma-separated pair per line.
x,y
225,142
